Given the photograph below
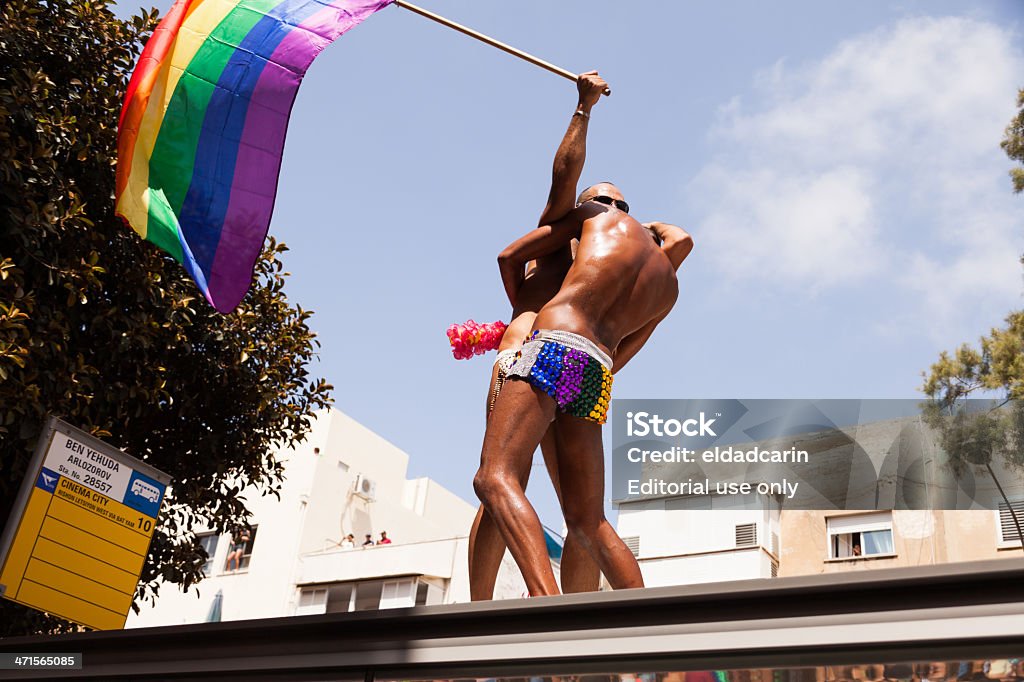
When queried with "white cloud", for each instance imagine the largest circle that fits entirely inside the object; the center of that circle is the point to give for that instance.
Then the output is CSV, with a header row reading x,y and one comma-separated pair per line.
x,y
877,165
924,80
812,229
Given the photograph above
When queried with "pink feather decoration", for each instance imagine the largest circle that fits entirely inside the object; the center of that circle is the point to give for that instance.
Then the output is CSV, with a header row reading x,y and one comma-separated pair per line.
x,y
471,338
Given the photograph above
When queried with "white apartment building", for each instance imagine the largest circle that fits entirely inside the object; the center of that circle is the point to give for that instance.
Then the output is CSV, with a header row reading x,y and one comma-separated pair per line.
x,y
343,479
702,538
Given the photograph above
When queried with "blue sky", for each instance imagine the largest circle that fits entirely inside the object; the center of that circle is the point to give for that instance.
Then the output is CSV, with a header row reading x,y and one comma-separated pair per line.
x,y
837,164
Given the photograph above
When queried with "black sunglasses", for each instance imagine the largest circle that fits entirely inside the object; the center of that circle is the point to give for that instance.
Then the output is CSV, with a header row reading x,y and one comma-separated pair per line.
x,y
608,201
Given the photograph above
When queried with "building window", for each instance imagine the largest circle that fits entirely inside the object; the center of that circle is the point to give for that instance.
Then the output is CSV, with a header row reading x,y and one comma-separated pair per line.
x,y
421,594
334,598
396,594
312,601
1007,528
240,551
429,591
369,595
864,535
247,552
339,597
208,541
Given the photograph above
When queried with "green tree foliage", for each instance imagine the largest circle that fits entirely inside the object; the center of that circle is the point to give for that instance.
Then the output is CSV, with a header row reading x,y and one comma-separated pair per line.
x,y
1013,143
98,327
997,367
974,440
978,437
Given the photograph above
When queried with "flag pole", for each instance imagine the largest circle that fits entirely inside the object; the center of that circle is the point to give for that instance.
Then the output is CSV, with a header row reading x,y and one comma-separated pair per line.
x,y
565,73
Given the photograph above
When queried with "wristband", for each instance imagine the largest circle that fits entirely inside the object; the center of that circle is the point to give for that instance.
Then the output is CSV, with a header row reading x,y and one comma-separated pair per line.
x,y
580,112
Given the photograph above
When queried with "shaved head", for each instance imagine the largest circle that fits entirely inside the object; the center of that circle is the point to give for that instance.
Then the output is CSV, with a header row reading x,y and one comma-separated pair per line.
x,y
600,189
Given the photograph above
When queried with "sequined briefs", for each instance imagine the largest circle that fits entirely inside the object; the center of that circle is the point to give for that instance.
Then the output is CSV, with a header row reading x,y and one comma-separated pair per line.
x,y
571,369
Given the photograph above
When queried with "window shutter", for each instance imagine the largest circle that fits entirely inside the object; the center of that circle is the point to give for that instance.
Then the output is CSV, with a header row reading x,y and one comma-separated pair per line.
x,y
1007,528
860,523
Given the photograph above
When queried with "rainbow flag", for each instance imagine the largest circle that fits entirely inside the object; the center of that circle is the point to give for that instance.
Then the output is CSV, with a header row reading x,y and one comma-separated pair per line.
x,y
202,128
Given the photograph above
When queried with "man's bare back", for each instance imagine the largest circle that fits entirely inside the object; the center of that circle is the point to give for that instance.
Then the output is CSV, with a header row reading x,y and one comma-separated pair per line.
x,y
619,281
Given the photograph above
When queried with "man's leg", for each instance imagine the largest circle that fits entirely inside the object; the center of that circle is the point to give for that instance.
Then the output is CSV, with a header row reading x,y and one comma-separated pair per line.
x,y
486,546
579,572
486,549
521,416
581,474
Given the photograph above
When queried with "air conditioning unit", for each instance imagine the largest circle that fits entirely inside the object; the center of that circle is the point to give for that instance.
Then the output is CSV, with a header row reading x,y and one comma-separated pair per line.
x,y
746,535
366,488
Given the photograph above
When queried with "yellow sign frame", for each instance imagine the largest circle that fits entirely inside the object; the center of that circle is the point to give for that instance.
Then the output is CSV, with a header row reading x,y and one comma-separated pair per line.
x,y
80,530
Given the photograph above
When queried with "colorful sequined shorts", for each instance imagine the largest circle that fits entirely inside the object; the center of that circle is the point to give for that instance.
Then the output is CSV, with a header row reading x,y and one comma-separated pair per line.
x,y
571,369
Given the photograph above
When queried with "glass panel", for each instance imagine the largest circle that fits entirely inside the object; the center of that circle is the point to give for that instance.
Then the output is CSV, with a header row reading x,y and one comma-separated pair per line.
x,y
877,542
421,593
311,602
396,595
247,552
368,596
339,597
208,541
842,546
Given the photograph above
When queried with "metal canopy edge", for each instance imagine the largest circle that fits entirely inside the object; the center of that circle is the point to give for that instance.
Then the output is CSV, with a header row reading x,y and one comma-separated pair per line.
x,y
966,610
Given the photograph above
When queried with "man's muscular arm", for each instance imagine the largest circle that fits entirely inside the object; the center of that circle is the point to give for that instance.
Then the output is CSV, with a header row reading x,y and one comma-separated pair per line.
x,y
676,244
632,344
534,244
572,152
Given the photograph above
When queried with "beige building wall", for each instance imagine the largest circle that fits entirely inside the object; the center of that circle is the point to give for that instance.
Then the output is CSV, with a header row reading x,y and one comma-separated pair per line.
x,y
919,538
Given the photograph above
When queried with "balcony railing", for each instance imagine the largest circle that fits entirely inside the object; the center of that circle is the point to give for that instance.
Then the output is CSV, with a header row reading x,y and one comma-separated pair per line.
x,y
434,558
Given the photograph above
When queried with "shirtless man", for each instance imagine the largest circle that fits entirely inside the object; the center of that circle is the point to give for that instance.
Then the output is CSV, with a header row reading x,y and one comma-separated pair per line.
x,y
543,278
621,284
